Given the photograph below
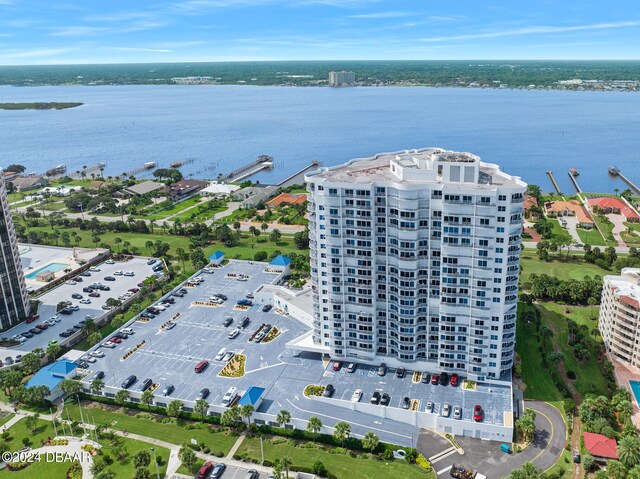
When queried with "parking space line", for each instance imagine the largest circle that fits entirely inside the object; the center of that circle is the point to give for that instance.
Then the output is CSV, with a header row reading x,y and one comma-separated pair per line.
x,y
442,471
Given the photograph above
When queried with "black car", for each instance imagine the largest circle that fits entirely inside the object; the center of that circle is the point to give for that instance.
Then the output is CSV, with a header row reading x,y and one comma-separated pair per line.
x,y
217,471
203,394
99,375
444,379
328,391
168,390
86,274
400,372
27,334
245,322
65,311
83,364
64,334
227,322
35,331
127,383
405,402
76,296
77,327
121,335
109,278
267,307
375,398
223,297
386,399
151,261
87,289
146,384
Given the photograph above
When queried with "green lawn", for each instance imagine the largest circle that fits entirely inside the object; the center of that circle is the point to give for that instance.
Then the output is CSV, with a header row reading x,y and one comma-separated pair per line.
x,y
559,233
41,470
534,374
215,439
195,215
605,226
177,208
43,431
342,465
124,469
6,419
592,237
589,377
574,268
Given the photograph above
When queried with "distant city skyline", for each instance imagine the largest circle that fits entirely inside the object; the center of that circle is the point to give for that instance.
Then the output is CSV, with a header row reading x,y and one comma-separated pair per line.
x,y
72,31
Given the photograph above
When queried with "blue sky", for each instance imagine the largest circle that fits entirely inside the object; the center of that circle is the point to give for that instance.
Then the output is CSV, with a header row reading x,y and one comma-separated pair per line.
x,y
98,31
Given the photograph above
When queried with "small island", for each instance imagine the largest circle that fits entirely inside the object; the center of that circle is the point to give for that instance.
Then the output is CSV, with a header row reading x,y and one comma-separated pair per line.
x,y
39,106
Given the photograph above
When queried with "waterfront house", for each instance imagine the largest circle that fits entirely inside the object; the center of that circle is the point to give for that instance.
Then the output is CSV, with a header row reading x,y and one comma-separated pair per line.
x,y
185,188
143,188
617,206
569,208
27,183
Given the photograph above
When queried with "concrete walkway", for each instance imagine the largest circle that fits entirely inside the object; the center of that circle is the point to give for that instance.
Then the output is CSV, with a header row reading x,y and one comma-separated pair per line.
x,y
236,446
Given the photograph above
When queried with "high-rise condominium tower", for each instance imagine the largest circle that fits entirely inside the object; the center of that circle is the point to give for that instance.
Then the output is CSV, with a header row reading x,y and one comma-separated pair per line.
x,y
415,259
14,301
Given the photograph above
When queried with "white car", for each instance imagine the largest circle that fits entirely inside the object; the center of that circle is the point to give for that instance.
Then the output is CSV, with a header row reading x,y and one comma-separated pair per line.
x,y
72,283
85,301
89,359
357,395
94,269
108,345
241,278
55,318
233,334
50,322
160,307
97,354
118,273
21,339
129,273
110,261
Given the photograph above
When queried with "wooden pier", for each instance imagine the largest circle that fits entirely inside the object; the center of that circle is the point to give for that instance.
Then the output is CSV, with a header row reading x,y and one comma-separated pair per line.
x,y
575,182
616,172
264,162
83,173
298,176
553,182
146,167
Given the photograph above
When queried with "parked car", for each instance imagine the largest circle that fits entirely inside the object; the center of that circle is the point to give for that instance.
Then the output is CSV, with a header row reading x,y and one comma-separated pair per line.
x,y
110,261
168,390
337,365
228,356
18,358
109,278
259,337
429,406
129,273
99,375
444,379
454,380
117,273
42,326
351,367
201,366
229,396
151,261
144,385
478,413
244,322
357,395
27,334
244,302
94,294
267,307
400,373
130,381
53,342
457,412
382,369
115,340
78,279
227,322
385,400
109,345
446,410
375,398
435,379
83,364
88,359
97,354
76,296
218,471
234,334
86,274
8,360
95,269
328,391
203,394
170,326
87,289
85,301
406,402
252,473
35,331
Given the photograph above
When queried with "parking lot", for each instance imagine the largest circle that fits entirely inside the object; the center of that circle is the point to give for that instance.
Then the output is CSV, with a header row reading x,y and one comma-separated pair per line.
x,y
168,357
50,300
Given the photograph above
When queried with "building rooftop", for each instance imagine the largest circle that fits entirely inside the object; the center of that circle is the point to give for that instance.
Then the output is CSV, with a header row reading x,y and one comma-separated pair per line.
x,y
251,396
420,166
143,188
52,374
626,287
572,205
601,446
614,204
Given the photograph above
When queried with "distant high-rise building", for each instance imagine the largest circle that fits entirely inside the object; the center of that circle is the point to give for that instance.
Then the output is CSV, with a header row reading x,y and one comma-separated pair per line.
x,y
341,78
415,259
619,321
14,300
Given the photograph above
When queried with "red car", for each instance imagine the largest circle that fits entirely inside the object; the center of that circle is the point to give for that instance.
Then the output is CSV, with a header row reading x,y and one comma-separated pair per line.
x,y
42,326
435,379
454,380
116,340
134,290
204,471
477,413
32,318
337,365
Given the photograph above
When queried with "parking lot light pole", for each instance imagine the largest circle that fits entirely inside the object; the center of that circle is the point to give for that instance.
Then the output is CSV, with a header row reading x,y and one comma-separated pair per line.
x,y
155,461
261,451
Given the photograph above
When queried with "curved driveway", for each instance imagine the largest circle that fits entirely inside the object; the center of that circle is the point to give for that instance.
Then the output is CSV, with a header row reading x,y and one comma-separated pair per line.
x,y
545,449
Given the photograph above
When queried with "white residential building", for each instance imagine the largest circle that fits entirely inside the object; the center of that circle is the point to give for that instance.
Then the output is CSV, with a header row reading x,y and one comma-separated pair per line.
x,y
341,78
14,300
415,259
619,321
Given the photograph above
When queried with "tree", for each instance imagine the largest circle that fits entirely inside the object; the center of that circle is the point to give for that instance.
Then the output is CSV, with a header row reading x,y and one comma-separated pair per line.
x,y
201,407
70,387
53,350
526,424
198,259
370,441
31,422
591,301
301,239
247,411
117,240
142,459
527,471
113,302
182,256
314,426
96,386
230,417
31,363
94,338
188,458
616,470
286,463
174,408
141,473
264,226
15,168
283,417
341,431
147,397
629,450
275,235
121,397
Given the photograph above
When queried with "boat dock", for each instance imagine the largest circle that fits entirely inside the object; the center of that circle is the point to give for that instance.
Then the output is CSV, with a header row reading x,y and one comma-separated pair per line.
x,y
553,182
298,176
147,166
573,179
83,173
613,171
264,162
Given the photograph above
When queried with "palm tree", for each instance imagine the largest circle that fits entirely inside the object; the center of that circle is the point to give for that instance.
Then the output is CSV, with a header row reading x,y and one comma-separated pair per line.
x,y
201,407
286,463
121,397
314,425
236,225
174,408
96,386
246,411
117,240
342,431
70,387
370,441
230,417
149,245
146,398
629,450
264,226
283,417
53,350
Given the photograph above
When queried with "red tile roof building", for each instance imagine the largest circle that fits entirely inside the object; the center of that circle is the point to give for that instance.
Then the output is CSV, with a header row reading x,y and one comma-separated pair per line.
x,y
600,446
614,205
283,198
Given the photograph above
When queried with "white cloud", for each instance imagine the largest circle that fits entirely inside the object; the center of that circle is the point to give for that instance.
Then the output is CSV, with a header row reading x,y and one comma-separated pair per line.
x,y
45,52
77,31
140,49
382,15
532,31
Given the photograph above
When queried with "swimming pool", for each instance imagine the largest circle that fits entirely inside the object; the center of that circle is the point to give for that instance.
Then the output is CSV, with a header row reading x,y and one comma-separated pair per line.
x,y
51,267
635,387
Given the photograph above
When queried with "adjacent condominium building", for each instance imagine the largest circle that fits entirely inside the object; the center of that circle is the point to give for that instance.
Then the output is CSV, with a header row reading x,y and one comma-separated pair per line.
x,y
619,321
415,258
14,301
341,78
